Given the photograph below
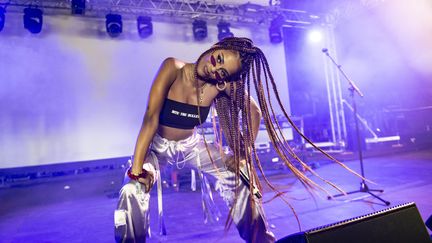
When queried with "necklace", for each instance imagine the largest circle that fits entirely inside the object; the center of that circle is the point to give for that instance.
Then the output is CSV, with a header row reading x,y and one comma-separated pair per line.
x,y
201,93
200,90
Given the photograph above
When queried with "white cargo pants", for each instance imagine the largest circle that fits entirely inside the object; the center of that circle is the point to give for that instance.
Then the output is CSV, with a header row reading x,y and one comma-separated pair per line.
x,y
132,214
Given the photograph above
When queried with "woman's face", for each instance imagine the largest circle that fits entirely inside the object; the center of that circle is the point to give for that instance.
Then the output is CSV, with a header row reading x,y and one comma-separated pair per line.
x,y
219,65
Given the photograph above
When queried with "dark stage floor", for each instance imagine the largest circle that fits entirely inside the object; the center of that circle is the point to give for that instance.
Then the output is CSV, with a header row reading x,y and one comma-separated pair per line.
x,y
79,207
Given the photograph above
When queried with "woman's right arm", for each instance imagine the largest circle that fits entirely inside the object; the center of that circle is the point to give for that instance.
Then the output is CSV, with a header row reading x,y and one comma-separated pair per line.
x,y
165,77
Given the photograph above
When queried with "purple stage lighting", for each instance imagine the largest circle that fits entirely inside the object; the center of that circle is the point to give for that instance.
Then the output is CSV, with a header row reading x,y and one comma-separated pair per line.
x,y
224,30
275,30
114,24
199,28
78,7
144,26
315,36
33,20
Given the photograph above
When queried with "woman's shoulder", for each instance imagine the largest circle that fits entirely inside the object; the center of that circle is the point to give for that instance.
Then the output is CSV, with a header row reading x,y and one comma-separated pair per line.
x,y
173,63
169,71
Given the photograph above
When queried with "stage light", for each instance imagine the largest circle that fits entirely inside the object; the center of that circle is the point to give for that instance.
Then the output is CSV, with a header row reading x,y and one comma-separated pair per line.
x,y
33,20
275,30
199,28
78,7
144,26
114,24
2,18
275,35
224,30
315,36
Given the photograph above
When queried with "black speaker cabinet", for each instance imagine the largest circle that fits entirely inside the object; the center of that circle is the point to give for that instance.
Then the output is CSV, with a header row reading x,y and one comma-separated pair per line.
x,y
399,224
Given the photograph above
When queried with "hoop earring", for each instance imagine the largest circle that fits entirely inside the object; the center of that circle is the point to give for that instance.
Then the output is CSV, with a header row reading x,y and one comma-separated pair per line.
x,y
224,83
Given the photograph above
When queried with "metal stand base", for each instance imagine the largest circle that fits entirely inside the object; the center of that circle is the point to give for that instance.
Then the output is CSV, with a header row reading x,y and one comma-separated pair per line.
x,y
364,188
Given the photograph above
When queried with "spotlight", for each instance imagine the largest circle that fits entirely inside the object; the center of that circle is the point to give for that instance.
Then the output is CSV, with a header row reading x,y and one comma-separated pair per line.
x,y
78,7
114,24
199,28
33,20
315,36
144,26
275,35
275,30
2,18
224,30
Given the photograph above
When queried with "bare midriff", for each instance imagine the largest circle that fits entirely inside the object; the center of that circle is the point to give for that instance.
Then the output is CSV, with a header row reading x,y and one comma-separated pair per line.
x,y
174,134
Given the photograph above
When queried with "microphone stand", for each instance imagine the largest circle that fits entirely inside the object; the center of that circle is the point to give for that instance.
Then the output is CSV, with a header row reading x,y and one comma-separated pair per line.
x,y
354,89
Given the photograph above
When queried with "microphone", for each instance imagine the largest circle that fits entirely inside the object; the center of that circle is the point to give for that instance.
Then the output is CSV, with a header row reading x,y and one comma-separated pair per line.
x,y
325,50
245,178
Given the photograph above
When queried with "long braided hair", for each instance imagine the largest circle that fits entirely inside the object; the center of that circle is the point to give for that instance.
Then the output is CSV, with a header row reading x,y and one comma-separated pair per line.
x,y
236,123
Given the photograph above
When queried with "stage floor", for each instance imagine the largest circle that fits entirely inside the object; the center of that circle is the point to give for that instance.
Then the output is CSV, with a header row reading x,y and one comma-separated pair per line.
x,y
80,208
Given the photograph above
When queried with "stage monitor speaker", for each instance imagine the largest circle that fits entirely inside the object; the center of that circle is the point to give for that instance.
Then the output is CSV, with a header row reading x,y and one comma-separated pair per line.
x,y
399,224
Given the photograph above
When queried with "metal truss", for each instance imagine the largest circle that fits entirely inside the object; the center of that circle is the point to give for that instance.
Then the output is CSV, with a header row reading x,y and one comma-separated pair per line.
x,y
350,8
334,83
171,10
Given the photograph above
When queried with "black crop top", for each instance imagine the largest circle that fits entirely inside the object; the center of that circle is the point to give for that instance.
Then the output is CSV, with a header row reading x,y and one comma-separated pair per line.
x,y
180,115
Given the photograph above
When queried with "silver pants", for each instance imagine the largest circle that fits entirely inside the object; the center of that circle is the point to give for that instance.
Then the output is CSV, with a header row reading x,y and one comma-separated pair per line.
x,y
132,214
